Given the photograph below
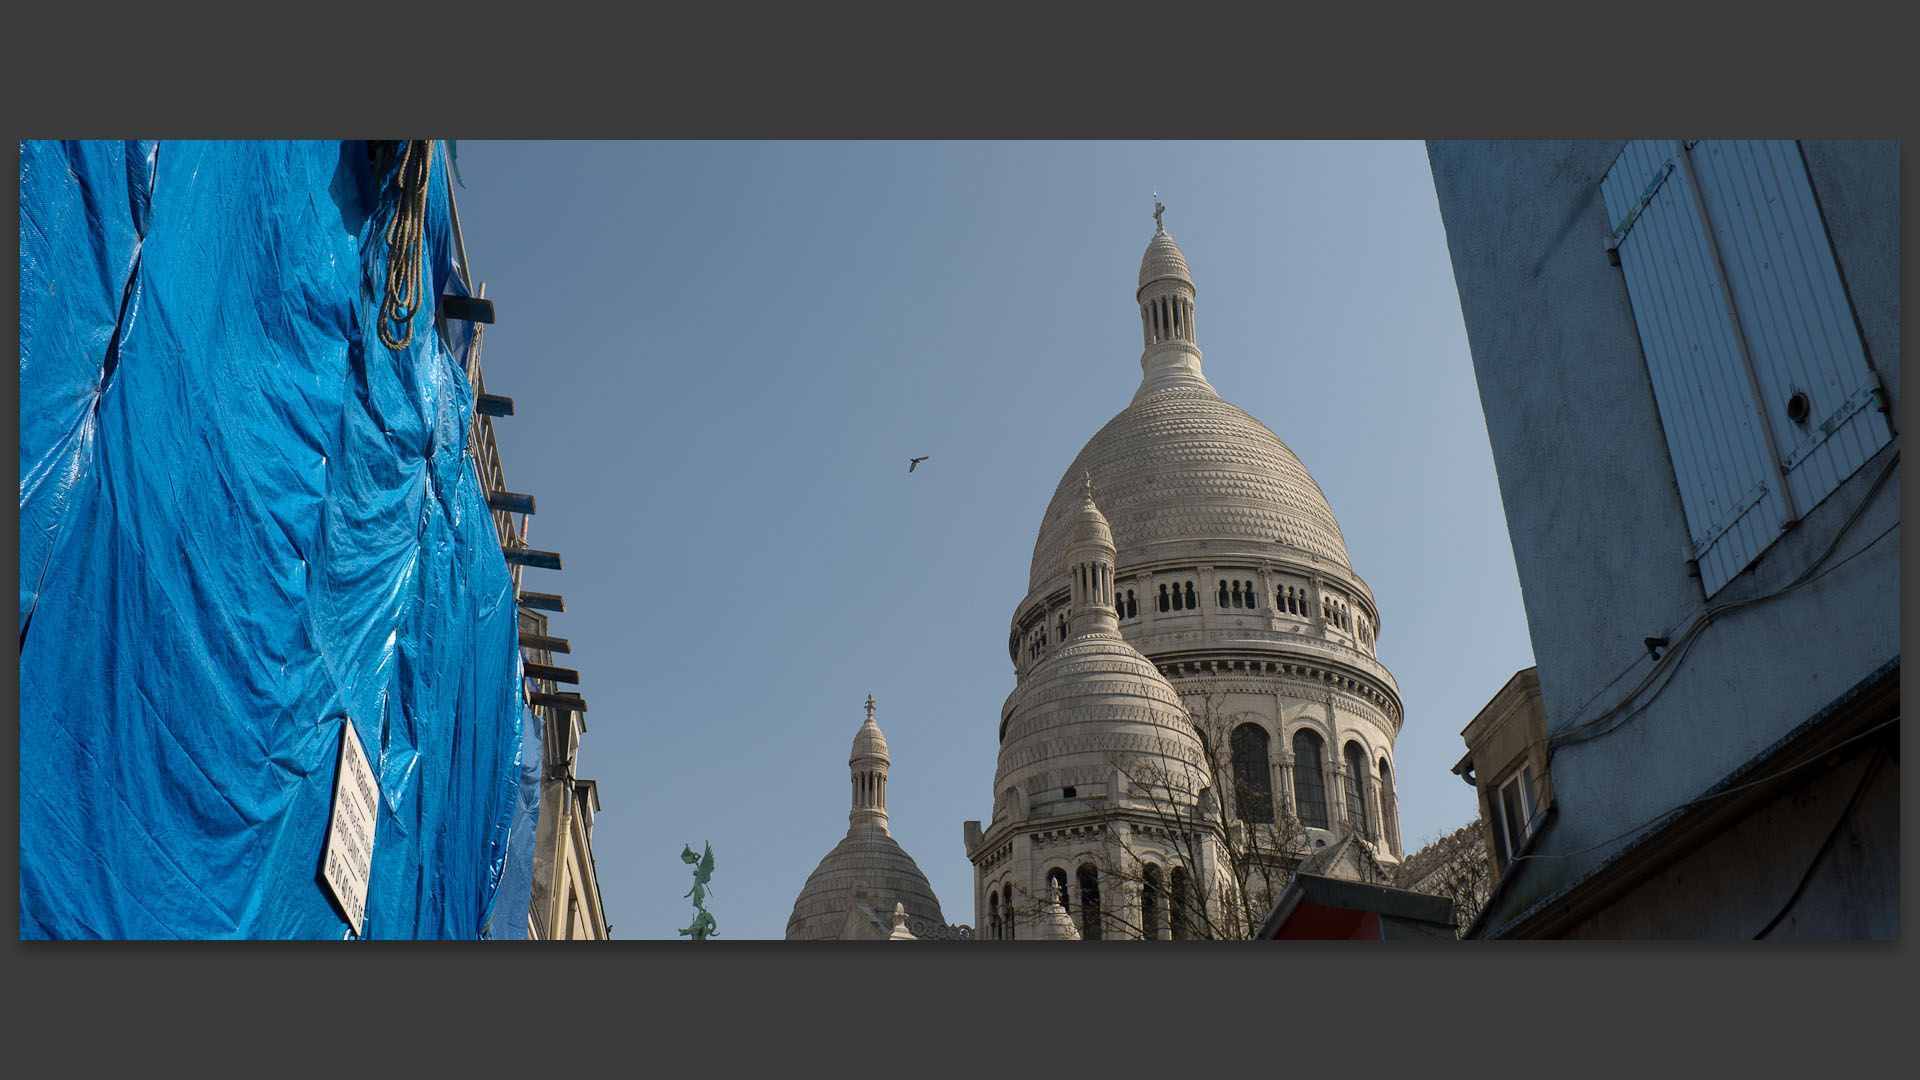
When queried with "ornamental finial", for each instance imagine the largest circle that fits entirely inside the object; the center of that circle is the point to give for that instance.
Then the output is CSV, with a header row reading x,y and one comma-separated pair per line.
x,y
869,708
1158,209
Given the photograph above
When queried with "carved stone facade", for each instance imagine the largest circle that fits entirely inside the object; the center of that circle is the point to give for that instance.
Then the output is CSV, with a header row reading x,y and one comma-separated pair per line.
x,y
1236,619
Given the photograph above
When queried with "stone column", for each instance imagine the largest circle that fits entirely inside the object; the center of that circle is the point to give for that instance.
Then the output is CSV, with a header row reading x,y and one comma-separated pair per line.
x,y
1281,752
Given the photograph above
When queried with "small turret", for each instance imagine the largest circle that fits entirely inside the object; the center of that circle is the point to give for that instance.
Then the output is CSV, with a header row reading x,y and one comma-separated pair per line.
x,y
1165,296
869,764
1090,556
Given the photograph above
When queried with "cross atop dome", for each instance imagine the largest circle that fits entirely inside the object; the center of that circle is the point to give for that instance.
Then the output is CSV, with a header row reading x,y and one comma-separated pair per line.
x,y
869,708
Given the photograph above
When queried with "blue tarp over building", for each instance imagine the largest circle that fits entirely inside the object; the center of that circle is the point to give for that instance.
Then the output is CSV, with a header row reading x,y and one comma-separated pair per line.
x,y
244,523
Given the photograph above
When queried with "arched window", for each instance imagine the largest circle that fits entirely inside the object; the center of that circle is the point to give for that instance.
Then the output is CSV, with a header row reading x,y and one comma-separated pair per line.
x,y
1250,595
993,917
1009,911
1192,604
1057,887
1133,609
1389,808
1177,903
1223,593
1357,815
1252,776
1163,598
1177,604
1150,903
1309,781
1089,903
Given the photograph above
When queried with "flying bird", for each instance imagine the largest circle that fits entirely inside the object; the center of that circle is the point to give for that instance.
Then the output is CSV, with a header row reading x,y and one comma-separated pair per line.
x,y
911,462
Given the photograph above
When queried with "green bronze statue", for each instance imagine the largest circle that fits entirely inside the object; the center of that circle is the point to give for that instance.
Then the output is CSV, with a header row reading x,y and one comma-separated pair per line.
x,y
703,925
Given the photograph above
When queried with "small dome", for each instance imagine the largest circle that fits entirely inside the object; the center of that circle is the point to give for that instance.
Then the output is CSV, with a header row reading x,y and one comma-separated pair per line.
x,y
1054,924
1088,527
868,742
1163,260
1093,704
869,856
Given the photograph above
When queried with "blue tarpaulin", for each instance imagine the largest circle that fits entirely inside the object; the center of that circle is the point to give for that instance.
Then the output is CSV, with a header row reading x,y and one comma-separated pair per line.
x,y
244,523
509,919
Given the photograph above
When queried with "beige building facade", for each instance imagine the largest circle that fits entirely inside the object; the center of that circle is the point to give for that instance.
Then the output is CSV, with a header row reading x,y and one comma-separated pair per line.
x,y
1506,762
565,899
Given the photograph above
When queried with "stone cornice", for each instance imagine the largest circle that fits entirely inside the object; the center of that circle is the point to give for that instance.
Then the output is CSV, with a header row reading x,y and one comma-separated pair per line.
x,y
1362,685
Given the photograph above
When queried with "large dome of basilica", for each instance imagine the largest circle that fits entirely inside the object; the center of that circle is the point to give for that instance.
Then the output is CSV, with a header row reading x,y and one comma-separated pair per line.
x,y
1180,465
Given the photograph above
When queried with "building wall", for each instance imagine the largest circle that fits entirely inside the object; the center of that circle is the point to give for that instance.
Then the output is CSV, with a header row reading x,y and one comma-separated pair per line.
x,y
1507,736
1593,507
1733,885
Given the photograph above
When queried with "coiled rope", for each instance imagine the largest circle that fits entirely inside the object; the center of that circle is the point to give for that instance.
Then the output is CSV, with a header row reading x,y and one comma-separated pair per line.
x,y
404,231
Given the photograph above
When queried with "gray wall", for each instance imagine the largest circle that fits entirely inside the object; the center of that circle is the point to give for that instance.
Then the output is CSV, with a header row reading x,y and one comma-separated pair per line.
x,y
1591,501
1733,885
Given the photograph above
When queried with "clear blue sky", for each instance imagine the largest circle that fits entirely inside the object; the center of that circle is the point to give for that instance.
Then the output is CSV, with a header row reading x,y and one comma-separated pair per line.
x,y
722,356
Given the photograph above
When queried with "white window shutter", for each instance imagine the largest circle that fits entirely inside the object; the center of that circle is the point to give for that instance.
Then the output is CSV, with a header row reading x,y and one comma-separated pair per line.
x,y
1793,309
1722,460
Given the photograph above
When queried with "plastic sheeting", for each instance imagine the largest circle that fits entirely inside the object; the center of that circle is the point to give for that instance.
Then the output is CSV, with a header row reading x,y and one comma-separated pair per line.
x,y
508,922
244,523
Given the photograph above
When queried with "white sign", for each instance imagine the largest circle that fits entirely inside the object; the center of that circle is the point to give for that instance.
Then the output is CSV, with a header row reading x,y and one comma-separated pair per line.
x,y
356,804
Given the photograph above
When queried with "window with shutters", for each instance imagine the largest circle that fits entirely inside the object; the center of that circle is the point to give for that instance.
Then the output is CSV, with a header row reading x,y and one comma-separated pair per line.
x,y
1766,394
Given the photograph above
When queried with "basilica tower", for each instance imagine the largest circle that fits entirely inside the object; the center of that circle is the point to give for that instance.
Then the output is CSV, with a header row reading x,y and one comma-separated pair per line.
x,y
1229,579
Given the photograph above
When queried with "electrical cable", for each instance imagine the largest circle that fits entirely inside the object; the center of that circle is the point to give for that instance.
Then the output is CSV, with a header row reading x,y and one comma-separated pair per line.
x,y
1526,849
1668,664
1715,795
1873,767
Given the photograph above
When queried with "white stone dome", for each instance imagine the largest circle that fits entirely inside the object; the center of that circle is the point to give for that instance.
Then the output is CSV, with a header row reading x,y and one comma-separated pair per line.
x,y
1179,465
867,855
868,743
1163,259
1092,704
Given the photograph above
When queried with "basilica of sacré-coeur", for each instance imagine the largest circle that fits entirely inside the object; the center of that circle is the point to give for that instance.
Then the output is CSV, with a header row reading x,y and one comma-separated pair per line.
x,y
1197,708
